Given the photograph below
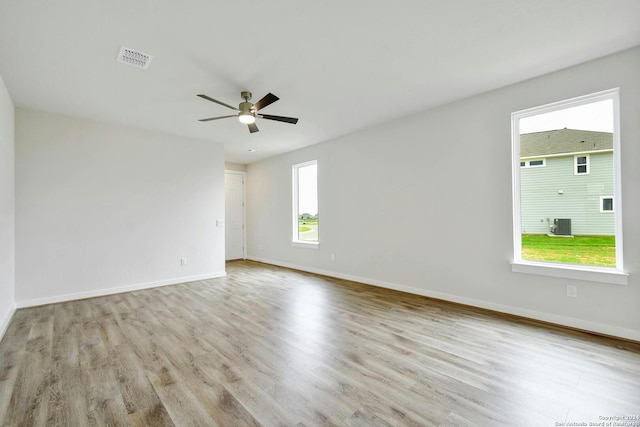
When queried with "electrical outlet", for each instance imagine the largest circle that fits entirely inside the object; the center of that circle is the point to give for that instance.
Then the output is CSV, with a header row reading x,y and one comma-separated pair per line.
x,y
183,261
333,257
572,291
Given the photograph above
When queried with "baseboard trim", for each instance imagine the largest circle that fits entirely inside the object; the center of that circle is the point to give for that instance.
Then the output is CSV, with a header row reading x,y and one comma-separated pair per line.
x,y
5,322
116,290
570,322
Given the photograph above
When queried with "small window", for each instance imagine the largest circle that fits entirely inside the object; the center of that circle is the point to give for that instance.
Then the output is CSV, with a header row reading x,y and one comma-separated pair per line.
x,y
606,204
582,165
537,163
305,204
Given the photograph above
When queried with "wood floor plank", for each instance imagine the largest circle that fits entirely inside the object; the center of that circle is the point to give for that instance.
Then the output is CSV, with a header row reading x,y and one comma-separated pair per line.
x,y
180,402
140,398
363,418
271,346
262,404
30,394
11,362
67,401
105,404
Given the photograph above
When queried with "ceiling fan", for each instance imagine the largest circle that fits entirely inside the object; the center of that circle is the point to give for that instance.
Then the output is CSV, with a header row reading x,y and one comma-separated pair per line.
x,y
247,112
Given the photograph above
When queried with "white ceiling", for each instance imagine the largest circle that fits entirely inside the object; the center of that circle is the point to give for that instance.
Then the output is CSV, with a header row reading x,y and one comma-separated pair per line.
x,y
338,65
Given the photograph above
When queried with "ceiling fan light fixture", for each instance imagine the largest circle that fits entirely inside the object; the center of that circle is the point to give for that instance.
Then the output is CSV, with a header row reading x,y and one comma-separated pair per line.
x,y
246,118
247,113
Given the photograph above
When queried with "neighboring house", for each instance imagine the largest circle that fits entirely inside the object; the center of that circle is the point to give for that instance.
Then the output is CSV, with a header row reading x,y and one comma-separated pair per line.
x,y
567,174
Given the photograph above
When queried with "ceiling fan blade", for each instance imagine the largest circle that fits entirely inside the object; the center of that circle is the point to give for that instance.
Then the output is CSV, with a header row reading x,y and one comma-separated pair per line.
x,y
252,127
291,120
216,118
217,102
268,99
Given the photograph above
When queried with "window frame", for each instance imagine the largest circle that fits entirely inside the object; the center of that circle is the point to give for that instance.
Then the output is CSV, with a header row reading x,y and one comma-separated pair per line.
x,y
527,163
613,204
587,164
295,241
613,275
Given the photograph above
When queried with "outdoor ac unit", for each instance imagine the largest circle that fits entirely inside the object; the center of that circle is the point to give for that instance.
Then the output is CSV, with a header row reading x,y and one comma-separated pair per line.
x,y
562,226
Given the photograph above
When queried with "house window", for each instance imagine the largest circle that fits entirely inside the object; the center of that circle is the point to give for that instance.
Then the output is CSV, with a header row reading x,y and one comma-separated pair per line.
x,y
305,219
582,164
532,163
558,229
606,204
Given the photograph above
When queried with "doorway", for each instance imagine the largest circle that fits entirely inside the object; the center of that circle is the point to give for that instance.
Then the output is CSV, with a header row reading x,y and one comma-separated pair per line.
x,y
234,214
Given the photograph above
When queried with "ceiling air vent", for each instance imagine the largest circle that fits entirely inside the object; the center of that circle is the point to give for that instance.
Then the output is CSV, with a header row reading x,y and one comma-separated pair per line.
x,y
133,57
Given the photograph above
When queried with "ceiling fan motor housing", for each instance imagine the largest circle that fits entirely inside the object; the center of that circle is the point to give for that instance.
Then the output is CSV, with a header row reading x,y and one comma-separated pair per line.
x,y
246,108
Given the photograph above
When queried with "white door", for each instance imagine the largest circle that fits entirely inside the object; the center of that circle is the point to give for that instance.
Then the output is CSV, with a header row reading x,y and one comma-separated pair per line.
x,y
234,214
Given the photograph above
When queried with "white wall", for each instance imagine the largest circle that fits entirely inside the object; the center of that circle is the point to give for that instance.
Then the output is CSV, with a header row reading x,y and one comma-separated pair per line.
x,y
102,209
235,167
424,204
7,208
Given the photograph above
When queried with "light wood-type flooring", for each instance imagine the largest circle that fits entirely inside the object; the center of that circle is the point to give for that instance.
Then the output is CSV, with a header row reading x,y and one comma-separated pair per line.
x,y
271,346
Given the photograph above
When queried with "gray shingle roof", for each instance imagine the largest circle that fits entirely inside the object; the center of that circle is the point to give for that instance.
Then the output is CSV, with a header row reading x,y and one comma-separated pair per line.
x,y
564,141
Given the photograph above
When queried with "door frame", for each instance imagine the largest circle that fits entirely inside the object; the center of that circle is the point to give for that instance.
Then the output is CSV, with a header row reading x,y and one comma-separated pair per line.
x,y
244,211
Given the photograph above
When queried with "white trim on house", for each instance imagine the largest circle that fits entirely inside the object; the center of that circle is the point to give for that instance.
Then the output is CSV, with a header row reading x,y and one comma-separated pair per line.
x,y
574,153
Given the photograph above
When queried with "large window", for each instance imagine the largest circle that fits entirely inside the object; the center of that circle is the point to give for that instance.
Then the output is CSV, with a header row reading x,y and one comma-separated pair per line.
x,y
305,204
559,229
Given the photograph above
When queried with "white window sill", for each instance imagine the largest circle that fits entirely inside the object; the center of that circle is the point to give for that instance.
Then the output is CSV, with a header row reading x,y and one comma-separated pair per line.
x,y
303,244
568,271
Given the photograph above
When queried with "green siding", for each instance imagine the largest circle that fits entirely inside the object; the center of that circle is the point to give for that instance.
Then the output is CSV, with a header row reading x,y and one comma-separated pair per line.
x,y
580,198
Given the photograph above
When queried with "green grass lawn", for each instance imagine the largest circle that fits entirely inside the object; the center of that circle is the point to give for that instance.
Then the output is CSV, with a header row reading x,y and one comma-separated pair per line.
x,y
302,225
588,250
